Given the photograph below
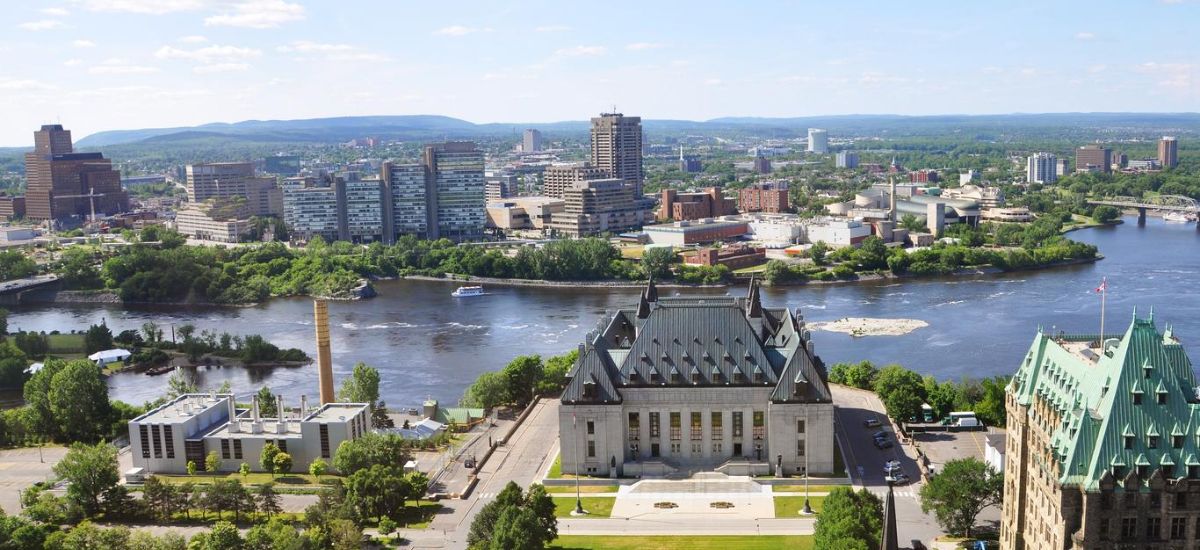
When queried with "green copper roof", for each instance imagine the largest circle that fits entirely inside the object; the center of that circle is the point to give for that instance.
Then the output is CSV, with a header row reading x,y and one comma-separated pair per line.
x,y
1133,403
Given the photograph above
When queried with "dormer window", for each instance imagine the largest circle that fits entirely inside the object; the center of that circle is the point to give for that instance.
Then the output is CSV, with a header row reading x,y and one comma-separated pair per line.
x,y
674,376
717,376
1162,398
757,375
633,376
654,376
1129,442
738,377
589,389
1152,441
1177,441
1146,370
1137,397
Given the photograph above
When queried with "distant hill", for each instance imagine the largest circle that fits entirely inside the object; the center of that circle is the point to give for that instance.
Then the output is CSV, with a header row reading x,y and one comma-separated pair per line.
x,y
435,127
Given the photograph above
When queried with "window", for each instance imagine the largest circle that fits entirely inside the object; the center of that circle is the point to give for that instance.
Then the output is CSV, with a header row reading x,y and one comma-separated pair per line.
x,y
716,447
758,377
144,435
676,427
1129,442
1104,526
1141,471
696,429
654,451
675,448
1153,528
715,426
169,441
1106,501
760,424
591,427
1177,441
654,425
1178,528
674,377
1180,501
1193,471
1137,398
157,437
635,427
225,449
1128,528
282,444
633,377
1168,470
1162,398
1152,441
695,377
696,447
591,449
324,441
237,449
1155,500
800,426
737,424
801,445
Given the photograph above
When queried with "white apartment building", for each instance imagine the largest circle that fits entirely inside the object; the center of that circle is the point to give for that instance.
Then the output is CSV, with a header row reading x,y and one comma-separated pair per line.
x,y
1041,168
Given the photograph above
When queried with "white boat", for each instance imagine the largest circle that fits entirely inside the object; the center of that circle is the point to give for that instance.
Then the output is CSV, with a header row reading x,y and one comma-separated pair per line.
x,y
467,291
1177,217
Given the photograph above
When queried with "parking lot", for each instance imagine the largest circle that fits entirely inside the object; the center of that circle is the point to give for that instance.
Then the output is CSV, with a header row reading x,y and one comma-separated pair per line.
x,y
942,447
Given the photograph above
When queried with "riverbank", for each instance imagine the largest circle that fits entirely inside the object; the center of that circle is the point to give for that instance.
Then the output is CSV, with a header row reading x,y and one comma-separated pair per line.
x,y
452,278
363,291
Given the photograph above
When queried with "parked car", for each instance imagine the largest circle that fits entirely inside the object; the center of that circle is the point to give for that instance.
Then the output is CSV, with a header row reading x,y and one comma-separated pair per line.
x,y
883,444
891,465
871,423
898,478
882,434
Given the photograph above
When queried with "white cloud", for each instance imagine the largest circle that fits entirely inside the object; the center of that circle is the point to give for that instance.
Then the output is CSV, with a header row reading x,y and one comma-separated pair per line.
x,y
636,46
579,51
713,82
26,84
72,62
305,46
221,68
209,54
455,30
552,28
56,12
258,14
41,25
1176,76
83,44
1084,35
1095,69
120,66
193,39
151,7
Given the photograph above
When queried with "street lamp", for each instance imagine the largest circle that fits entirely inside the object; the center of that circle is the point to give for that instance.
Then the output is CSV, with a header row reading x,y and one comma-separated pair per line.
x,y
807,511
575,451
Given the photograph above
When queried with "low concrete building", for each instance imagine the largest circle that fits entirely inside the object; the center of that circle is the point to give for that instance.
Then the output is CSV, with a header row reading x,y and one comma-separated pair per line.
x,y
689,383
599,206
733,257
695,232
523,213
223,220
993,451
1016,214
839,233
191,426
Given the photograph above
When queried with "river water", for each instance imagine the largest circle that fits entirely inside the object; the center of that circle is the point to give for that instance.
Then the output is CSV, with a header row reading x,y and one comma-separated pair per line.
x,y
428,344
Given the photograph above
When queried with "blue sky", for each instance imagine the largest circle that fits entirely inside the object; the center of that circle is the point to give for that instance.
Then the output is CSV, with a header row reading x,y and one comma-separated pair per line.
x,y
110,64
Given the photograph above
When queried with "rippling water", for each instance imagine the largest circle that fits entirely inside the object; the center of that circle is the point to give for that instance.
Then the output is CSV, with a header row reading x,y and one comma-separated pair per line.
x,y
429,344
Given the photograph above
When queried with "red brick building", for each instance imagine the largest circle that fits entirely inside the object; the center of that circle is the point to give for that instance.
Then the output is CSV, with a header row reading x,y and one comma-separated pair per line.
x,y
923,176
709,203
764,197
733,257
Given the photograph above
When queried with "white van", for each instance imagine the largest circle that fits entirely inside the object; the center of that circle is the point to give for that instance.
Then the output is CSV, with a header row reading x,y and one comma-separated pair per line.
x,y
968,422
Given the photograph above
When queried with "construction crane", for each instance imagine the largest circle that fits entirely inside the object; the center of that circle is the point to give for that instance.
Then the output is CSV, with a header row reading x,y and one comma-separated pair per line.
x,y
91,201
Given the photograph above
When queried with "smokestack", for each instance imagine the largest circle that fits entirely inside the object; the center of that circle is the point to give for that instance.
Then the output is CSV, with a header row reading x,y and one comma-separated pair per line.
x,y
235,426
303,406
892,208
324,360
281,426
256,422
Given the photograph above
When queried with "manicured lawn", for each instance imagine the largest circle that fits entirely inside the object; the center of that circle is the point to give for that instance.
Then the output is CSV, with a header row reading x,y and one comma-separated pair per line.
x,y
773,542
814,488
789,507
556,471
65,343
584,489
415,517
596,507
752,269
253,478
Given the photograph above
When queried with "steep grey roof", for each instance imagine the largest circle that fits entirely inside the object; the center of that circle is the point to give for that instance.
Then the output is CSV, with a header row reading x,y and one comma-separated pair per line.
x,y
697,342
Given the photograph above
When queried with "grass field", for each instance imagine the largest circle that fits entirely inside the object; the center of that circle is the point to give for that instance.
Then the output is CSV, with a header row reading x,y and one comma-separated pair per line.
x,y
596,507
814,488
797,542
584,489
61,344
789,507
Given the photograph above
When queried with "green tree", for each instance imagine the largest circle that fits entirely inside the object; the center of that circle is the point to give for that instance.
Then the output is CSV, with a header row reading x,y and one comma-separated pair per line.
x,y
79,402
160,497
483,526
152,332
223,536
517,529
15,265
344,535
990,407
849,519
13,363
361,387
1106,214
180,384
266,458
520,377
489,390
90,470
554,372
268,499
191,467
78,270
212,462
542,506
276,534
369,450
859,375
960,492
817,252
912,223
901,390
244,470
317,468
3,321
656,261
97,338
778,272
266,403
282,463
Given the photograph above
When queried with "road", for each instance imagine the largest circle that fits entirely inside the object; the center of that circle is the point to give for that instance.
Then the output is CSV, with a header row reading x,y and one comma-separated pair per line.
x,y
864,462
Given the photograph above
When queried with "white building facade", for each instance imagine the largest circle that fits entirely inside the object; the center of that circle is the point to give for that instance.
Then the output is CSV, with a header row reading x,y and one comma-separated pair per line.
x,y
1041,168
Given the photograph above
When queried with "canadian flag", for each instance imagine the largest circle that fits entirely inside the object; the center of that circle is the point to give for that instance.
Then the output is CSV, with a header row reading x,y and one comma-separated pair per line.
x,y
1103,285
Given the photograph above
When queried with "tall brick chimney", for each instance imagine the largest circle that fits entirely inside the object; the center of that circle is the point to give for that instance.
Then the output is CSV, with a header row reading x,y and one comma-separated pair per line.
x,y
324,358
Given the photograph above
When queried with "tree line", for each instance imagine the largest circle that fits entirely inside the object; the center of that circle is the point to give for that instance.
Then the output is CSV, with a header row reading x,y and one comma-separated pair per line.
x,y
517,383
904,391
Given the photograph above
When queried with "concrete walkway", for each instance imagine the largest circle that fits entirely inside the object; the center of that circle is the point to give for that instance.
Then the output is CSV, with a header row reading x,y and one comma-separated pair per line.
x,y
684,524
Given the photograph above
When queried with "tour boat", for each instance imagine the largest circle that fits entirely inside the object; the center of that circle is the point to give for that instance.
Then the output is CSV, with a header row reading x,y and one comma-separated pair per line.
x,y
467,291
1177,217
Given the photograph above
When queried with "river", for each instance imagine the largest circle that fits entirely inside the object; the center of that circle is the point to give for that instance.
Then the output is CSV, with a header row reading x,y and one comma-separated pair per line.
x,y
428,344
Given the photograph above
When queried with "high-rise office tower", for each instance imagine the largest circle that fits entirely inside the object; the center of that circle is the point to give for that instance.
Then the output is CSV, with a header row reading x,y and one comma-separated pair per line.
x,y
532,141
556,179
818,141
62,185
1041,168
847,159
220,180
406,207
1093,158
1168,152
455,189
617,148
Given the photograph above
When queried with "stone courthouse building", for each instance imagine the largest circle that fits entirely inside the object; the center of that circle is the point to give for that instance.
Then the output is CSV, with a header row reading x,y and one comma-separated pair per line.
x,y
1103,444
697,383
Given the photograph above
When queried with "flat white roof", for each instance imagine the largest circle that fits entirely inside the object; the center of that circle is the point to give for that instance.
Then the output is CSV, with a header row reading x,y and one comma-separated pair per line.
x,y
335,412
182,408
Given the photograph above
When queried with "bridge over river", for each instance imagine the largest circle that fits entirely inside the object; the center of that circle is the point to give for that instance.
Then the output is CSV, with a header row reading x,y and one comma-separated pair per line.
x,y
1165,203
13,292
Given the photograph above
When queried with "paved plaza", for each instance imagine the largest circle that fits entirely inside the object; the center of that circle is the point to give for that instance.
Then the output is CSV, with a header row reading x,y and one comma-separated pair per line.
x,y
710,495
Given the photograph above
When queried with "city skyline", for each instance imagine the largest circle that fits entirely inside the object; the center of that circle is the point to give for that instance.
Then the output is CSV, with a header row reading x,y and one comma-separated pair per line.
x,y
98,65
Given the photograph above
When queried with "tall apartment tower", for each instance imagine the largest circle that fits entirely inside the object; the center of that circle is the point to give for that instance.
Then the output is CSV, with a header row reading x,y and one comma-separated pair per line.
x,y
847,159
1093,158
556,179
1041,168
532,141
818,141
63,185
455,190
220,180
1168,152
406,210
617,148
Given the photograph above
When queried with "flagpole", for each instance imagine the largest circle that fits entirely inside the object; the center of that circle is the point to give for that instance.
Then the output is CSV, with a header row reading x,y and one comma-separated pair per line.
x,y
1103,298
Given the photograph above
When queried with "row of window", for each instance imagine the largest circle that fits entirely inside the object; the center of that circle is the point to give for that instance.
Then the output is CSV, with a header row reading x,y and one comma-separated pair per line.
x,y
1152,531
157,443
696,429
